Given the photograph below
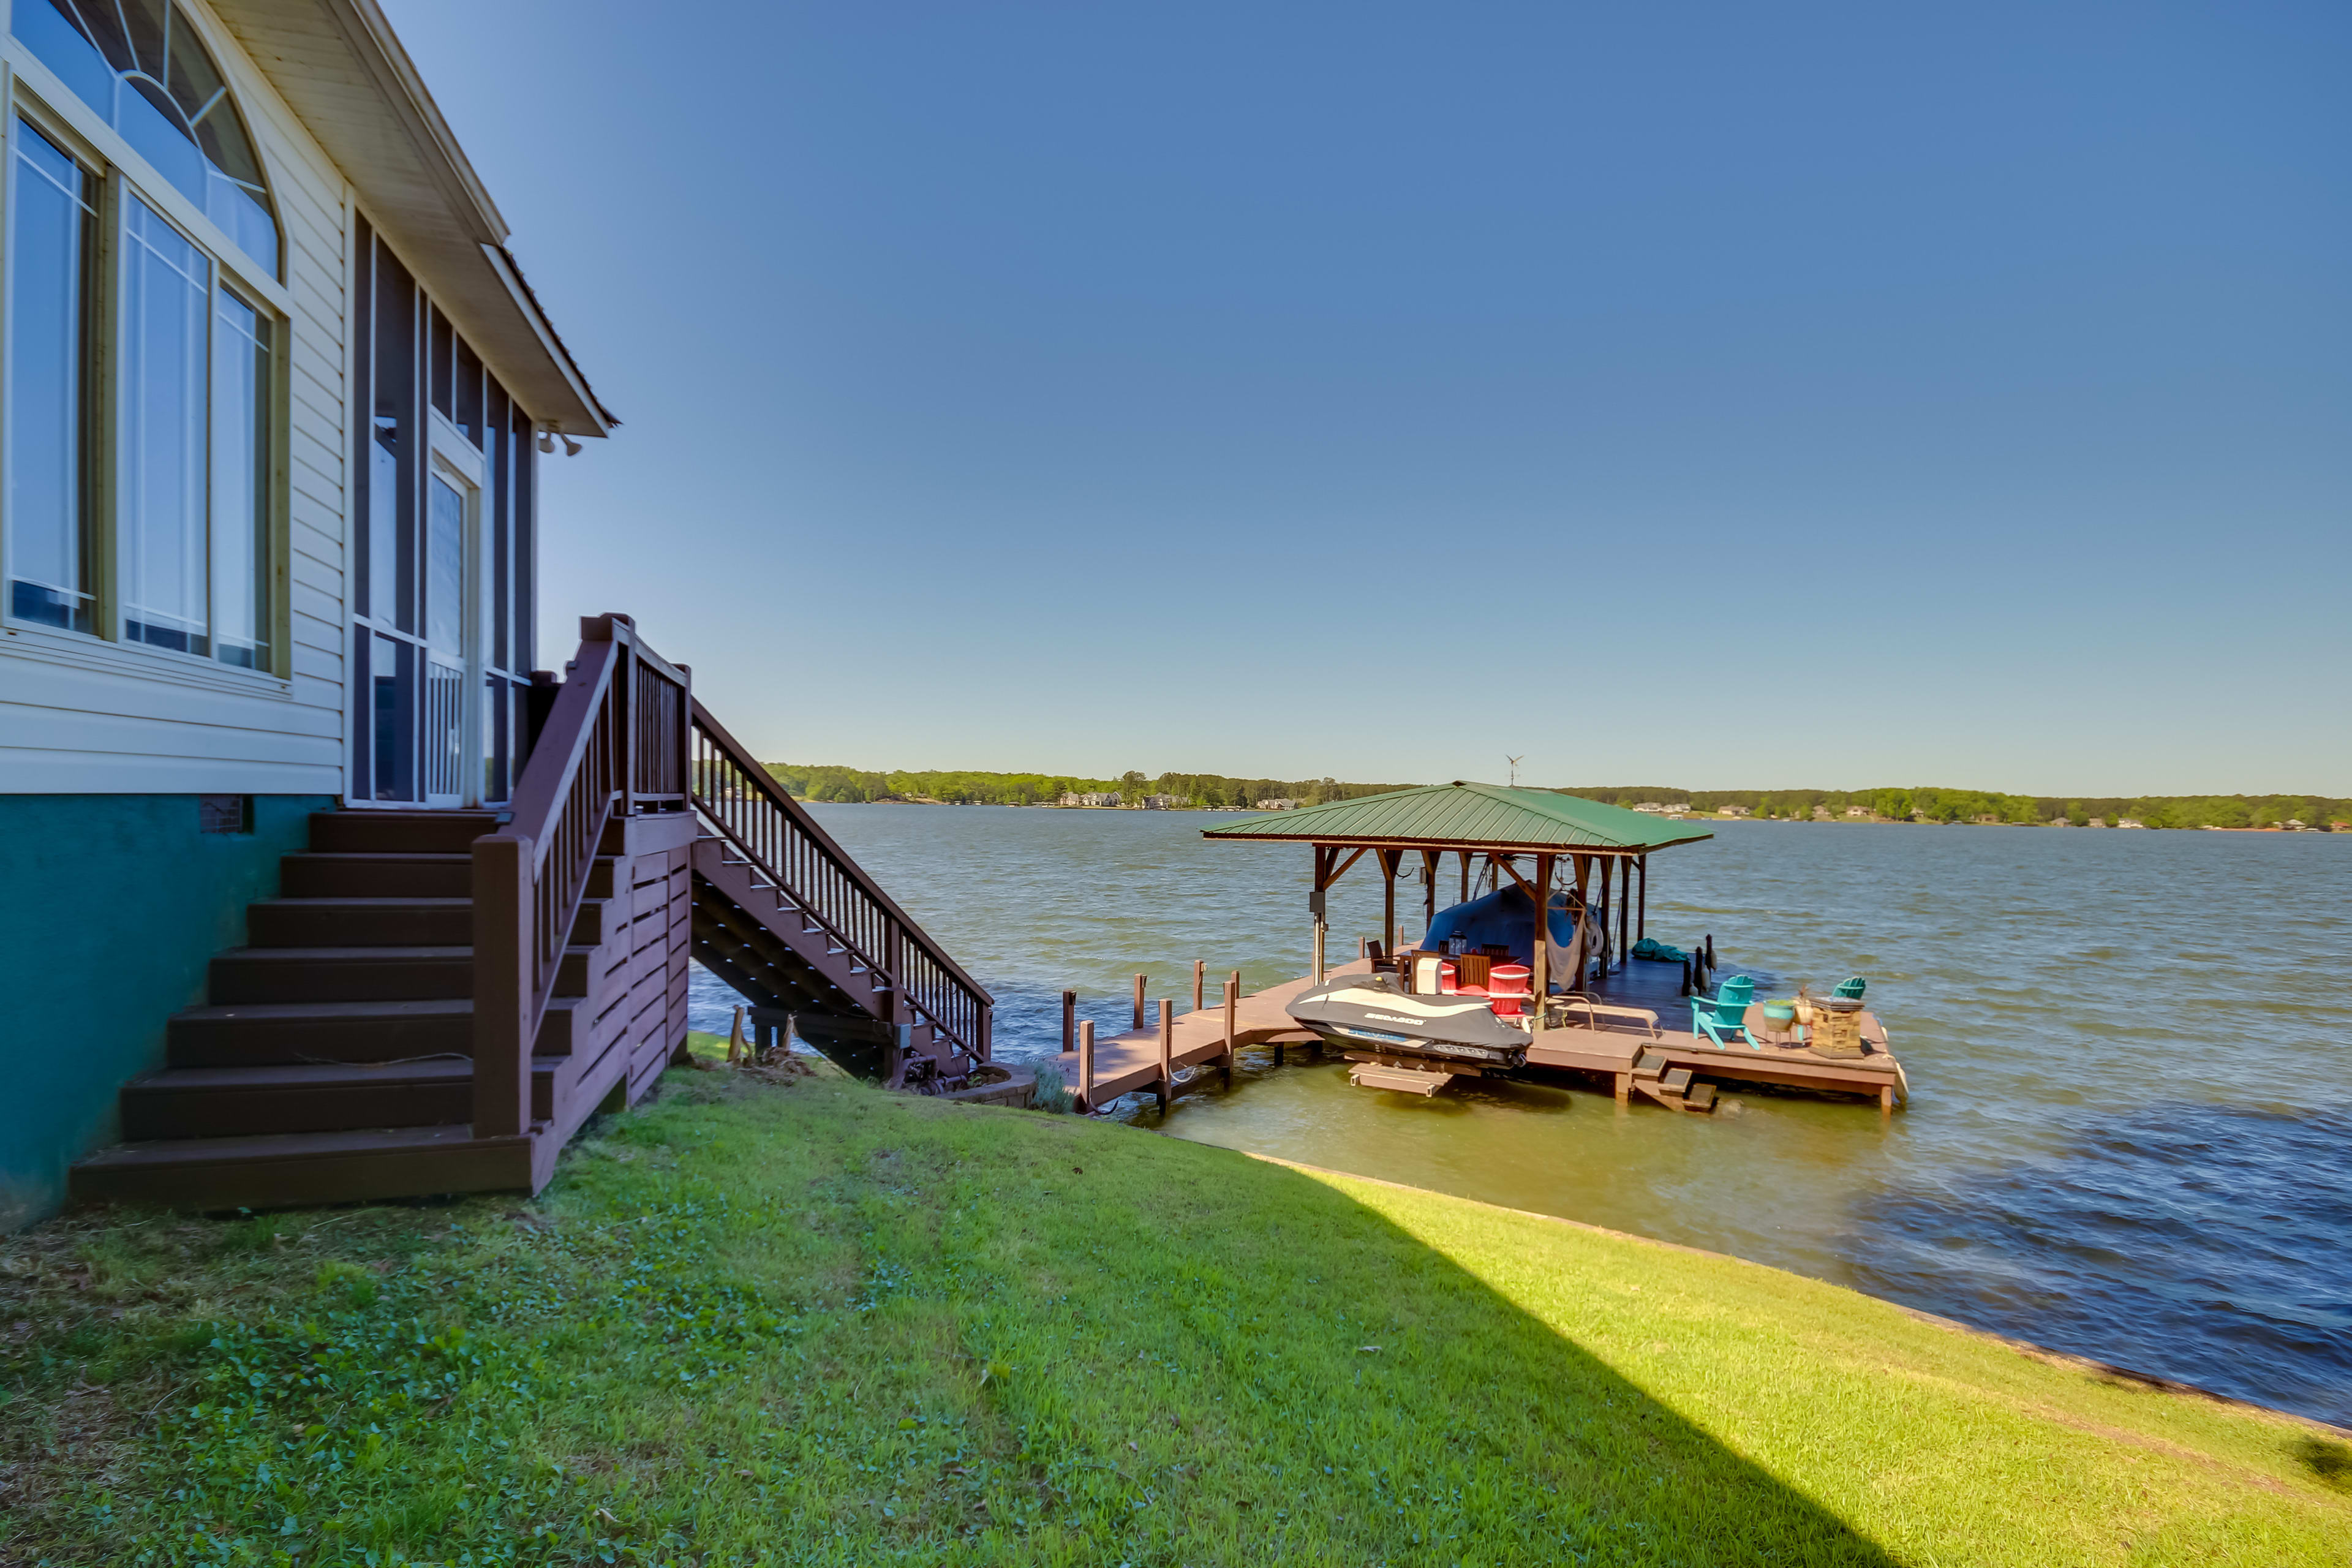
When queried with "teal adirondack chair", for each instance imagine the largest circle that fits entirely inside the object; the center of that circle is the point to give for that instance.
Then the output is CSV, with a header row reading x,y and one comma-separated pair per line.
x,y
1724,1012
1850,988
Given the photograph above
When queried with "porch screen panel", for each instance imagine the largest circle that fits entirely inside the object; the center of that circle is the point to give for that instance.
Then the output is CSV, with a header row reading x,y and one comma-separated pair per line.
x,y
392,459
392,717
526,543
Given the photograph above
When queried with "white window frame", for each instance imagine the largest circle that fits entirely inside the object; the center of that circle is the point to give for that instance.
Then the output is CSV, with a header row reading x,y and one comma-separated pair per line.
x,y
30,91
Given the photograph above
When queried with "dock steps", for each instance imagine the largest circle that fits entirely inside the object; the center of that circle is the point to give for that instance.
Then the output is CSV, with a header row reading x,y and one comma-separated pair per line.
x,y
1672,1088
1370,1075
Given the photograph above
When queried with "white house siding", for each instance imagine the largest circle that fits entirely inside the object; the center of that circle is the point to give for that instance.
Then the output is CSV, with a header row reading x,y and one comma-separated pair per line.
x,y
83,716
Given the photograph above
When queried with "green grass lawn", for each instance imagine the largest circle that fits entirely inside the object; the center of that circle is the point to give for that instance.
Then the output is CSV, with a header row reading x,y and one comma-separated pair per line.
x,y
813,1323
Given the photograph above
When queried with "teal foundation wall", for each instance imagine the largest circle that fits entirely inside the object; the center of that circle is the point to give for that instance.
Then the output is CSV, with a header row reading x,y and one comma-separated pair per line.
x,y
111,906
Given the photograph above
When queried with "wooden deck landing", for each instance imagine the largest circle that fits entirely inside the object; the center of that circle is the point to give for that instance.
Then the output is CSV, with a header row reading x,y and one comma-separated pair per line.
x,y
1128,1062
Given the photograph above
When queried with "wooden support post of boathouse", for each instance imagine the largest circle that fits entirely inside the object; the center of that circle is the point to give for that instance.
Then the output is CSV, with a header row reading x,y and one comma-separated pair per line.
x,y
1541,983
1388,858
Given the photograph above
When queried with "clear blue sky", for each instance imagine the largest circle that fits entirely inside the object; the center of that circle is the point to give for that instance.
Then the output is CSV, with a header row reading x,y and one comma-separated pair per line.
x,y
1716,395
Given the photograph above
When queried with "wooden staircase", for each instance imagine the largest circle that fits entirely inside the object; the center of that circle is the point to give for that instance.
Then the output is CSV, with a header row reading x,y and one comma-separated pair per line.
x,y
333,1060
1672,1087
438,1001
787,919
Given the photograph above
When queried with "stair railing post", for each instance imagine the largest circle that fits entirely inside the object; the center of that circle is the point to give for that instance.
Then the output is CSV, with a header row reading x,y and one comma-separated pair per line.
x,y
506,984
684,739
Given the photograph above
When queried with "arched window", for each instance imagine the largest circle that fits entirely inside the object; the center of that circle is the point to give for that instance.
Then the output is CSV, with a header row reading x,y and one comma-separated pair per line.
x,y
140,65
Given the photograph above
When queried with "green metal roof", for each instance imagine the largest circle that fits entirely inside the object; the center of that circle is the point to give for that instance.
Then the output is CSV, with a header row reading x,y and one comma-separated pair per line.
x,y
1470,816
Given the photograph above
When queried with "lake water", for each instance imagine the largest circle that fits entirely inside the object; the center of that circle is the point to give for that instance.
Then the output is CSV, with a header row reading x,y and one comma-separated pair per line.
x,y
2130,1130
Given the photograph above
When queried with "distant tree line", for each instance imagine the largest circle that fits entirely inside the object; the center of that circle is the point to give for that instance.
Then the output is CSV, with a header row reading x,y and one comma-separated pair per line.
x,y
1917,803
1198,790
1925,804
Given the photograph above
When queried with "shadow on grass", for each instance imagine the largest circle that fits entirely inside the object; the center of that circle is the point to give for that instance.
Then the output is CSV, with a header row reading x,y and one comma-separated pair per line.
x,y
1331,1384
821,1324
2330,1463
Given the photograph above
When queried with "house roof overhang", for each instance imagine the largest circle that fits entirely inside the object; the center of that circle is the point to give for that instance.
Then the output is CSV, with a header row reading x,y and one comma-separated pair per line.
x,y
339,66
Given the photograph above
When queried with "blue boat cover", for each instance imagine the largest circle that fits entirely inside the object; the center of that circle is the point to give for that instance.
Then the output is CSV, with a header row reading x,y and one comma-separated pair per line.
x,y
1507,918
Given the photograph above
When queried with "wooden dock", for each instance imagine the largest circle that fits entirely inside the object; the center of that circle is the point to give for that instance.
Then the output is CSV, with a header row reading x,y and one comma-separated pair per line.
x,y
1672,1065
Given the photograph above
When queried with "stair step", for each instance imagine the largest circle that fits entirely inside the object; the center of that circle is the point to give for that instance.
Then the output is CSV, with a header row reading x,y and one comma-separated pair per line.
x,y
312,1097
342,974
258,1034
364,974
1700,1097
281,1168
400,832
1674,1082
375,875
360,922
371,875
299,1097
1649,1064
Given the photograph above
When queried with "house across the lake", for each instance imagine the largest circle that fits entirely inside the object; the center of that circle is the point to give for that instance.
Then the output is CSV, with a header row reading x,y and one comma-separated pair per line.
x,y
295,908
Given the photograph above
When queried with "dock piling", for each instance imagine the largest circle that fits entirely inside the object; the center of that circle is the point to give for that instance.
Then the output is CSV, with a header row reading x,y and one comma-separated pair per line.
x,y
1167,1054
1199,968
1232,1005
1087,1064
1139,1002
1069,1021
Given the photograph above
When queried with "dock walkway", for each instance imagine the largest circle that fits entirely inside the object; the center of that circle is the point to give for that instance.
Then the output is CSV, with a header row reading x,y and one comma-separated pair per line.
x,y
1625,1052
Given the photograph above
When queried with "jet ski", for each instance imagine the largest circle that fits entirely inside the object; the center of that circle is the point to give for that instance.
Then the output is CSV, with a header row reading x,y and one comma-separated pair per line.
x,y
1371,1016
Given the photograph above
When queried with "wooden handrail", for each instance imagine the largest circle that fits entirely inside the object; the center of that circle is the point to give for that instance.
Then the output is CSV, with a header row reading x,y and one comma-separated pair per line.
x,y
616,743
743,803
